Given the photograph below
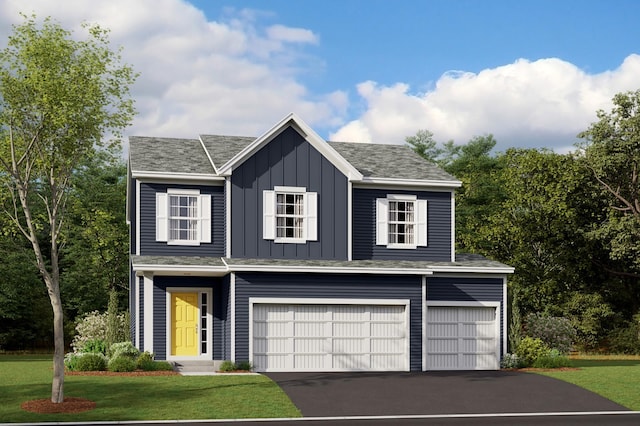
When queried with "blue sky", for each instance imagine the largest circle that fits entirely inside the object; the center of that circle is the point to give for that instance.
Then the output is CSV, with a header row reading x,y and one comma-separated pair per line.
x,y
531,73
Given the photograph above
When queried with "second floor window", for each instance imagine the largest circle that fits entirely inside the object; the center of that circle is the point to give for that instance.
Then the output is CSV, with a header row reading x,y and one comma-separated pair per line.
x,y
183,217
401,221
290,215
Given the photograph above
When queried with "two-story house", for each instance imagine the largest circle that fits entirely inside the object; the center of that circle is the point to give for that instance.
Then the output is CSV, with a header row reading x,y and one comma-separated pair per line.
x,y
298,254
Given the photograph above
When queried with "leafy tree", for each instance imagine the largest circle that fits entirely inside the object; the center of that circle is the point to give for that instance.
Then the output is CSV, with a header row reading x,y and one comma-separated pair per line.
x,y
612,154
424,145
58,98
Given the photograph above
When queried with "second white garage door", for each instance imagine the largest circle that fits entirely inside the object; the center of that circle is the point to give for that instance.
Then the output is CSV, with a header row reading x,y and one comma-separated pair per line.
x,y
335,337
462,338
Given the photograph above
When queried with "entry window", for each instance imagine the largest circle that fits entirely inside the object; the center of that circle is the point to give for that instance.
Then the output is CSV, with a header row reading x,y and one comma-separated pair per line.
x,y
203,323
290,215
183,217
401,221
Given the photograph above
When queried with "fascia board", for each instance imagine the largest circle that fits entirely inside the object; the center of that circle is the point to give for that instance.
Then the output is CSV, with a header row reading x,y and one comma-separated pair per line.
x,y
307,132
412,182
473,269
204,148
140,268
328,269
177,176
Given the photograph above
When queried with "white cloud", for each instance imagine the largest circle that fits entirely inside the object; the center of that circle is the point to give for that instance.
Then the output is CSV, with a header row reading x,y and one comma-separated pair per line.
x,y
228,76
540,103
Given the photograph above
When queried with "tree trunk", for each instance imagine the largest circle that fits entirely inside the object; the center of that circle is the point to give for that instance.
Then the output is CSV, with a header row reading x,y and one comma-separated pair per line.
x,y
57,386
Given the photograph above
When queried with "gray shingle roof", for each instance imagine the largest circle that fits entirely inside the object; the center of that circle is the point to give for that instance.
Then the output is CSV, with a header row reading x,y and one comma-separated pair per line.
x,y
168,155
178,260
389,161
223,148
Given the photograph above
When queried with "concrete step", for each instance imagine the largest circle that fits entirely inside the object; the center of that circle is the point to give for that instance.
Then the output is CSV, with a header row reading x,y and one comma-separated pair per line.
x,y
196,366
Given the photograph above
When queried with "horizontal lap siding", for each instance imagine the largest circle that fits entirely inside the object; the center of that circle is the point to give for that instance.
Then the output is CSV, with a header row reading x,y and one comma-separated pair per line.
x,y
467,290
132,216
288,160
148,244
329,287
438,227
160,285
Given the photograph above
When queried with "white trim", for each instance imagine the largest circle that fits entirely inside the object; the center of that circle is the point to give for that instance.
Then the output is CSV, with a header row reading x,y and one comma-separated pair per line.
x,y
470,269
198,270
148,313
424,323
199,290
137,217
227,207
232,320
135,300
183,191
422,183
505,311
177,176
297,189
453,226
332,269
338,301
206,151
349,220
307,132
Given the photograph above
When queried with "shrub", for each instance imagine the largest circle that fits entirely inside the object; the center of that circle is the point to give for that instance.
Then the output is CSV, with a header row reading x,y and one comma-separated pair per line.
x,y
530,349
244,366
70,360
124,349
162,366
145,362
590,315
94,326
552,359
96,346
510,361
91,361
626,340
122,364
555,332
227,366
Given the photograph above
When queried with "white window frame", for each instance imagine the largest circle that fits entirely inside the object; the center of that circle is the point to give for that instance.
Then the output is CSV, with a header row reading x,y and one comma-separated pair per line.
x,y
309,215
419,221
163,217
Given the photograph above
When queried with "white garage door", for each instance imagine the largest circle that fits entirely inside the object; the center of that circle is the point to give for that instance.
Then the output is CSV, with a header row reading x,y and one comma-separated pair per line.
x,y
301,337
462,338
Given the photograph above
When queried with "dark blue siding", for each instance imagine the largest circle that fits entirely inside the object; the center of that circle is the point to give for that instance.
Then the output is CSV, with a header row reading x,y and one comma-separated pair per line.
x,y
438,227
132,216
288,160
148,244
160,284
467,290
329,286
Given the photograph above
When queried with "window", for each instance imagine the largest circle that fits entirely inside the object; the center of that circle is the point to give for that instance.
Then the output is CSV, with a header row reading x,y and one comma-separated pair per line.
x,y
290,215
401,221
183,217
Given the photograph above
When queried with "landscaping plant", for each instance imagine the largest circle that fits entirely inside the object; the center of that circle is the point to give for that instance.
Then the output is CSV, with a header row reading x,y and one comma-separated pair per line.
x,y
556,332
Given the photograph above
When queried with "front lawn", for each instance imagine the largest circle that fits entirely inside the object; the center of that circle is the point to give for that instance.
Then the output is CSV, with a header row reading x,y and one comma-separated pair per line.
x,y
27,377
614,377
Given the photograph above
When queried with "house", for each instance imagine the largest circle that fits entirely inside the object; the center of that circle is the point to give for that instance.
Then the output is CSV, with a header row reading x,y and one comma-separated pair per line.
x,y
299,254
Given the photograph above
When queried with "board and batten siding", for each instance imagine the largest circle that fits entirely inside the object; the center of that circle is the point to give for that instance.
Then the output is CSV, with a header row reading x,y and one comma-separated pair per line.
x,y
160,285
329,286
288,160
438,227
468,289
148,244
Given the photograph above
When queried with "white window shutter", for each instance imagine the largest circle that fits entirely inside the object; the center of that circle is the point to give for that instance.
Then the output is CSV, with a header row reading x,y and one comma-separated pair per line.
x,y
269,215
421,222
162,221
382,221
311,215
204,214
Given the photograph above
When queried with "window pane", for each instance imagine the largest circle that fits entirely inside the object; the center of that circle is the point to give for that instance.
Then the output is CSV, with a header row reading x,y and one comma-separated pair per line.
x,y
401,222
183,222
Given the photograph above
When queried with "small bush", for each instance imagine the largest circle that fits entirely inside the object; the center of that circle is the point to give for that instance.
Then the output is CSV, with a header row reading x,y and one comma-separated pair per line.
x,y
555,332
122,364
530,349
145,362
94,326
162,366
244,366
626,340
91,361
510,361
70,360
552,359
95,346
124,349
227,366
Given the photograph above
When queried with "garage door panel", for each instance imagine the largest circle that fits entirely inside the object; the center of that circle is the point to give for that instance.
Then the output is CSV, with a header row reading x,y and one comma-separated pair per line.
x,y
461,338
329,337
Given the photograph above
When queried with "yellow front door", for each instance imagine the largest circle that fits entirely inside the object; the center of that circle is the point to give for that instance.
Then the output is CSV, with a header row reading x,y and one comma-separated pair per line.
x,y
184,324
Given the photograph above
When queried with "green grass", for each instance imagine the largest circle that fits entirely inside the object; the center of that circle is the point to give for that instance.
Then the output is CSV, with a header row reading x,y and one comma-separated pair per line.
x,y
24,378
614,377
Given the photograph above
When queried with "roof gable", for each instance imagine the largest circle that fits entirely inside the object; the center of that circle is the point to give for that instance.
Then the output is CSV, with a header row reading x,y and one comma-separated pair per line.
x,y
301,127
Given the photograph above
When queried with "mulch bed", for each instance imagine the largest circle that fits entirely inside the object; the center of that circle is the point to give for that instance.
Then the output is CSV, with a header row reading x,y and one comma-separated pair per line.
x,y
69,405
126,374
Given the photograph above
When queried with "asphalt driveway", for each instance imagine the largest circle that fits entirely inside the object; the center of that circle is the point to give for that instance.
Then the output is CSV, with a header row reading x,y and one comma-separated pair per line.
x,y
433,393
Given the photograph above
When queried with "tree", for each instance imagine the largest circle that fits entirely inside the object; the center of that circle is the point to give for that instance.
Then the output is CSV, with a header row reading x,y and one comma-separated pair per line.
x,y
424,145
612,153
59,98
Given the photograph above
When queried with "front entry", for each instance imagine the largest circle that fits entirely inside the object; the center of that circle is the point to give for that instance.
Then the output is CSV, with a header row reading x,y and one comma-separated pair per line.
x,y
184,324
